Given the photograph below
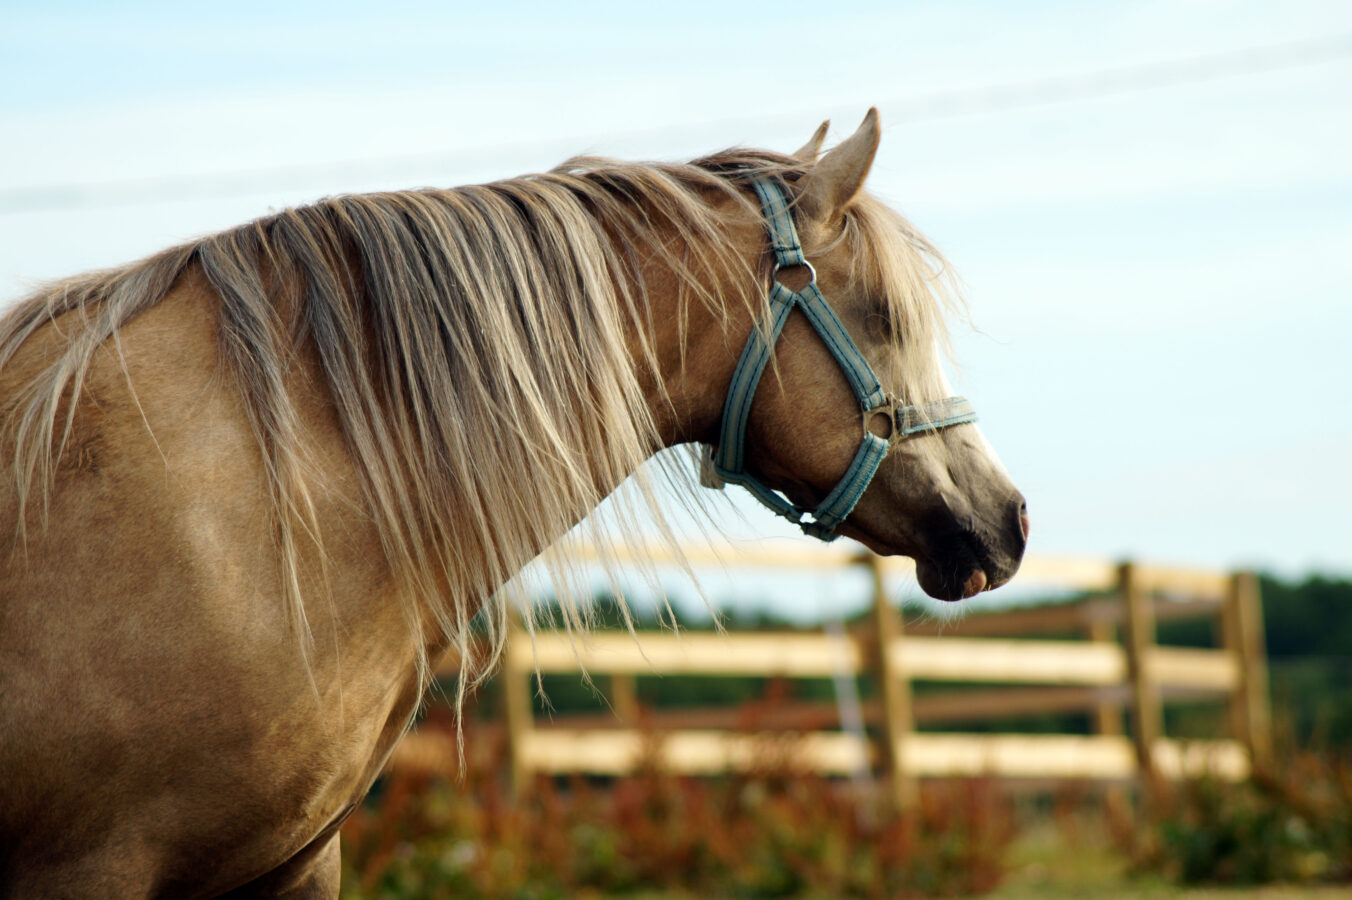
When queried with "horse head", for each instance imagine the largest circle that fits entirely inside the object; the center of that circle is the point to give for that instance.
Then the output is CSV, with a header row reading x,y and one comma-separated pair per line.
x,y
857,430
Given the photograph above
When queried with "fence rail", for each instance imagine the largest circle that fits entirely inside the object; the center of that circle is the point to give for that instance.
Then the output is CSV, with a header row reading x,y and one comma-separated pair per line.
x,y
1109,662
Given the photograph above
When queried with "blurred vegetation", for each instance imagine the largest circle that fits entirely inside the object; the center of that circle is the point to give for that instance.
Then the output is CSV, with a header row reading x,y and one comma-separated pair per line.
x,y
777,833
768,834
1309,641
1292,825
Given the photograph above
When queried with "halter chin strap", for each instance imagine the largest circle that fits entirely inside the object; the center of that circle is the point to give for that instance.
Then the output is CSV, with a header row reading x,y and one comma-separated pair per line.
x,y
726,464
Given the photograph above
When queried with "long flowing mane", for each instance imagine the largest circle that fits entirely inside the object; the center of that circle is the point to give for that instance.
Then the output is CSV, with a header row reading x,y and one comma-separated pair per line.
x,y
474,343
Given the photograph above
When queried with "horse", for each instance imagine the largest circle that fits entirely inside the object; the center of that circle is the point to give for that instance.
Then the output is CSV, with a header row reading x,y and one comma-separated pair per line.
x,y
256,485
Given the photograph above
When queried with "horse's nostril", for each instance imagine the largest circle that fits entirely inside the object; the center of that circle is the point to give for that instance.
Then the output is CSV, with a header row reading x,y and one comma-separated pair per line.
x,y
1024,523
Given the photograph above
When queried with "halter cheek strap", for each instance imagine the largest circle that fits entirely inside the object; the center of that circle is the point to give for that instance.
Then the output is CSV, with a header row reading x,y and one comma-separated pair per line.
x,y
726,464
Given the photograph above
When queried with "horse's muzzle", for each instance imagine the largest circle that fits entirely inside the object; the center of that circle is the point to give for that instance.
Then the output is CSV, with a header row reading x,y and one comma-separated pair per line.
x,y
965,557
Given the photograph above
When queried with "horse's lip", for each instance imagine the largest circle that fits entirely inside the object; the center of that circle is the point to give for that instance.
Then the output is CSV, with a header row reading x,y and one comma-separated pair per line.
x,y
971,577
976,575
951,590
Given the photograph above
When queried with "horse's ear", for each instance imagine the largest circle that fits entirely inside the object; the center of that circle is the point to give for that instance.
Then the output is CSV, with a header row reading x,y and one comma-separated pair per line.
x,y
839,175
809,151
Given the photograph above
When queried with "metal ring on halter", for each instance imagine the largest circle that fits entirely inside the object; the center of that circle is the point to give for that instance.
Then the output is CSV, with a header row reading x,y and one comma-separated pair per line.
x,y
888,411
799,265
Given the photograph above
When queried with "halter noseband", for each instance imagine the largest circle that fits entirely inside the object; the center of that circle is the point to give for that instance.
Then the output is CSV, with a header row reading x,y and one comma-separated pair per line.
x,y
726,464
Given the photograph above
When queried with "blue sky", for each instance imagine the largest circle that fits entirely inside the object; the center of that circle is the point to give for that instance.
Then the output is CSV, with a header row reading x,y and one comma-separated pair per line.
x,y
1159,279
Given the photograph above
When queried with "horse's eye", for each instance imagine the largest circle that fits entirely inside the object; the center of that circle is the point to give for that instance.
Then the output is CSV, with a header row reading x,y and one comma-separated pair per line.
x,y
880,325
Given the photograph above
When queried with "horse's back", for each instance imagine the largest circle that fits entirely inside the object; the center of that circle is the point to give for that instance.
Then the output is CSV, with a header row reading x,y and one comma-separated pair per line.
x,y
149,677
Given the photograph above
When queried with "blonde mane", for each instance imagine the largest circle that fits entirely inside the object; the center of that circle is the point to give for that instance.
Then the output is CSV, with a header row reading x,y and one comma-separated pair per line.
x,y
474,343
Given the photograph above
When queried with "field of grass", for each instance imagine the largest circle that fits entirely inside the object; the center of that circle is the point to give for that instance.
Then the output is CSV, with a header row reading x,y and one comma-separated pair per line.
x,y
1046,862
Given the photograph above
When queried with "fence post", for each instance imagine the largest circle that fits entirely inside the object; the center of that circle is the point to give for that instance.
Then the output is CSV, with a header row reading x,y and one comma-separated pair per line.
x,y
898,721
624,698
1107,719
1242,635
516,702
1107,715
1147,719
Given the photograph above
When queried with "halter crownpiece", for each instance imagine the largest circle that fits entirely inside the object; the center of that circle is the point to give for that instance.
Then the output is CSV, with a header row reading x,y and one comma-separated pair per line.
x,y
726,463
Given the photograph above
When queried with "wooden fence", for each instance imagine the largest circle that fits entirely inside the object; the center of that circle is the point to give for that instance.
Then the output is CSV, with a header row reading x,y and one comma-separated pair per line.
x,y
1106,661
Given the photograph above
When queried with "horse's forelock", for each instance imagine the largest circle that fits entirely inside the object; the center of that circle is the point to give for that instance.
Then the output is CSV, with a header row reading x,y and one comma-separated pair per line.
x,y
917,288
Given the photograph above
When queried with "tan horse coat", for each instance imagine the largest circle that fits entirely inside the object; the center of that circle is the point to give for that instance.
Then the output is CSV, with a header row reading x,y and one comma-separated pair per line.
x,y
170,725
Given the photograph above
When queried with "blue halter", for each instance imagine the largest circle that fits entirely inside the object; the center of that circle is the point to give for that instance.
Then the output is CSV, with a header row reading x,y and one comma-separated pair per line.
x,y
726,464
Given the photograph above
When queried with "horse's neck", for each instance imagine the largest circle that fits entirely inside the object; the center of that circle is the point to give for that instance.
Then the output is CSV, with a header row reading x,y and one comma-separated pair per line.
x,y
695,347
